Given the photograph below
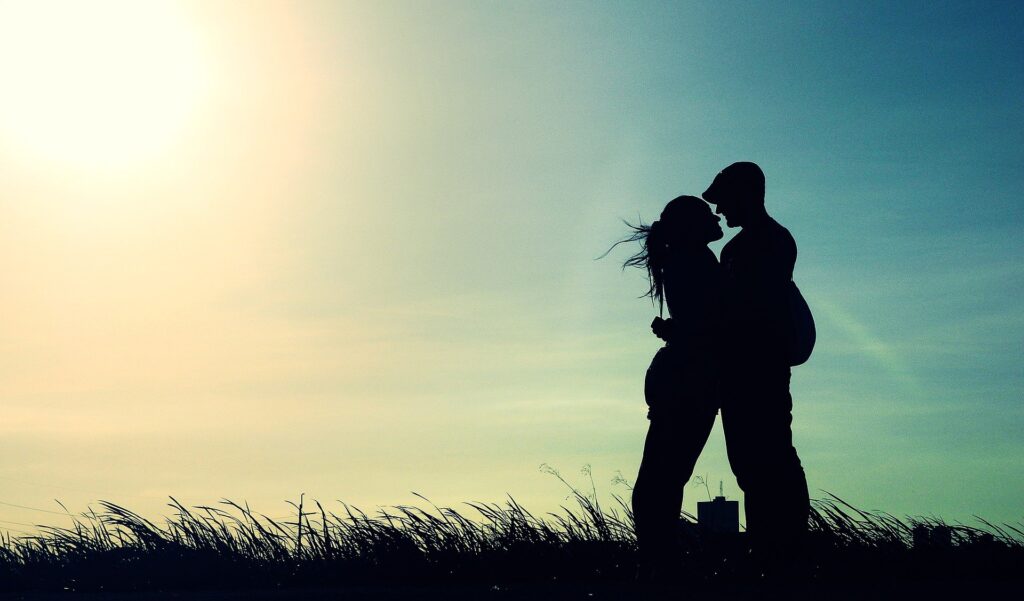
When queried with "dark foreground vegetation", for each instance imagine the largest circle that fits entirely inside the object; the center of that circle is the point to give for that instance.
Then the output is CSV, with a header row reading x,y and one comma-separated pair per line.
x,y
484,551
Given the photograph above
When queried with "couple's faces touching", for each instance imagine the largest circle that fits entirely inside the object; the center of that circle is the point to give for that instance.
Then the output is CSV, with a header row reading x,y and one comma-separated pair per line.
x,y
728,210
712,225
738,211
691,221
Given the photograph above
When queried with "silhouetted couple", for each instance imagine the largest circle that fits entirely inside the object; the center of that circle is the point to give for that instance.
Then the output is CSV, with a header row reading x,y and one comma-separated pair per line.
x,y
729,347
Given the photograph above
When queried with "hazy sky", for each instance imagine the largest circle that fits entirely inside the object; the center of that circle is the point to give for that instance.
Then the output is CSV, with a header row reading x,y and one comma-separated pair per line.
x,y
255,249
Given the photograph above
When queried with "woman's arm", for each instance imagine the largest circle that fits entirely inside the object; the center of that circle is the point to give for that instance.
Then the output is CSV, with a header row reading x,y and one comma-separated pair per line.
x,y
693,294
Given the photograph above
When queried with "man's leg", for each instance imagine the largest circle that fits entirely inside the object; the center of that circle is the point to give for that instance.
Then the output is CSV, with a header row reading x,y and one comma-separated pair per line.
x,y
757,418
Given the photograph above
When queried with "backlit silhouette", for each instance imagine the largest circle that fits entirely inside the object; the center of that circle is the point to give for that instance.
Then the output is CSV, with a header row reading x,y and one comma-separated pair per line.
x,y
734,331
755,364
681,383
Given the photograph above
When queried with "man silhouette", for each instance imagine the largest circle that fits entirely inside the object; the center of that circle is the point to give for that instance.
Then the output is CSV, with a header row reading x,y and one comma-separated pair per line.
x,y
754,363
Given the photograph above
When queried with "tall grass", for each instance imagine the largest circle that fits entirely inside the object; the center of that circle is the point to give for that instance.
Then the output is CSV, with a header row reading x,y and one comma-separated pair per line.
x,y
232,546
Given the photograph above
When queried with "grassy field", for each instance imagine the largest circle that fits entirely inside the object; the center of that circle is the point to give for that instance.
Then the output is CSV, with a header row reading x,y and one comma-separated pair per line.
x,y
485,550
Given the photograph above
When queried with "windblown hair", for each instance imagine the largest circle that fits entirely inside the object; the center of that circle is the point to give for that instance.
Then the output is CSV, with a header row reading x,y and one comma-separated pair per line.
x,y
652,257
654,243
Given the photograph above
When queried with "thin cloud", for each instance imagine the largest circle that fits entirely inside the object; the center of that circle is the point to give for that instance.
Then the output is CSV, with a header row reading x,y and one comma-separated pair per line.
x,y
869,344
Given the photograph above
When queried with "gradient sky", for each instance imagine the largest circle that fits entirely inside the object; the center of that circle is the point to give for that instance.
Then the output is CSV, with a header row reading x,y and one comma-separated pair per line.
x,y
254,249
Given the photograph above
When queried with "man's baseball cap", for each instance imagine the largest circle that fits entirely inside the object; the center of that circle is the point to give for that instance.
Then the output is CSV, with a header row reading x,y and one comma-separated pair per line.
x,y
743,179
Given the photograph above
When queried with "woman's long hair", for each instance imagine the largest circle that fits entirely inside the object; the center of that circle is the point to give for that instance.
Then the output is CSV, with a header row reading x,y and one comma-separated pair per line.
x,y
654,245
652,257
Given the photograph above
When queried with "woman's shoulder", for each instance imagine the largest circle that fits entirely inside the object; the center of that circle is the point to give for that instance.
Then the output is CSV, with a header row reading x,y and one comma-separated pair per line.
x,y
693,266
702,257
704,263
694,272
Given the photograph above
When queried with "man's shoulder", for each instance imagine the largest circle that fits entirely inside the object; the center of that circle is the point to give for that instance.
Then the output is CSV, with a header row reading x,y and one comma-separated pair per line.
x,y
774,227
777,234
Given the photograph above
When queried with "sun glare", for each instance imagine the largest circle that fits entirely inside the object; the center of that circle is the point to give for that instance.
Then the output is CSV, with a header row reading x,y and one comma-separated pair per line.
x,y
96,84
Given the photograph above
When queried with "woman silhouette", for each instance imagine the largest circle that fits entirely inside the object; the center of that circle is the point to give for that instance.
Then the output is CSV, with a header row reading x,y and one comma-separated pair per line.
x,y
681,384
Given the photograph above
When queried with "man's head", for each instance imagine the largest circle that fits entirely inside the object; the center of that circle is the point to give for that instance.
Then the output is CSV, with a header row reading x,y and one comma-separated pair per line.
x,y
738,193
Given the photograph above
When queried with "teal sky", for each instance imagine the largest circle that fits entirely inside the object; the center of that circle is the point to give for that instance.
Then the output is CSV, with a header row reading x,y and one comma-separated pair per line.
x,y
391,286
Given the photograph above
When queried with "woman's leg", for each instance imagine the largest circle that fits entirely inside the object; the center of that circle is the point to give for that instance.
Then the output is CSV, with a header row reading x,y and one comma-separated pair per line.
x,y
670,452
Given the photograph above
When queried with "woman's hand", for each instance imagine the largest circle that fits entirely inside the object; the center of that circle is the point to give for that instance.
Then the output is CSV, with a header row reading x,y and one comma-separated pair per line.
x,y
663,328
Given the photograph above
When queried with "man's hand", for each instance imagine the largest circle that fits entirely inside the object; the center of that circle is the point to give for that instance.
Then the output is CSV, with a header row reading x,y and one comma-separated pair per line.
x,y
663,328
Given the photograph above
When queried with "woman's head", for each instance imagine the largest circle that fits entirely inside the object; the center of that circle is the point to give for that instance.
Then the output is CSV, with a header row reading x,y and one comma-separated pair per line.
x,y
686,223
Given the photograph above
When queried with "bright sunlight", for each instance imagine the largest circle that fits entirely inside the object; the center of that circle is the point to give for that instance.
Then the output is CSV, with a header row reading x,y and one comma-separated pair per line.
x,y
96,84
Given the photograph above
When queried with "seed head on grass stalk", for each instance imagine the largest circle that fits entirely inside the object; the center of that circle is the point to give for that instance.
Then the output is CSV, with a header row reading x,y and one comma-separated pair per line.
x,y
501,541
